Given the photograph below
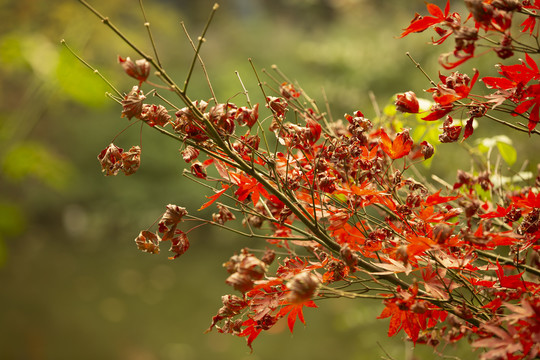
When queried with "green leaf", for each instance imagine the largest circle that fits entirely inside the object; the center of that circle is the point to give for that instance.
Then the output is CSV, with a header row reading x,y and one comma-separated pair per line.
x,y
31,159
484,195
11,53
12,220
79,82
508,152
390,110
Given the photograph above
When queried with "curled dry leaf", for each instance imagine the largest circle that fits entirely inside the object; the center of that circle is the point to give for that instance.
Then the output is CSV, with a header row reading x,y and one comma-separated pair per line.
x,y
111,160
172,216
148,241
138,69
131,160
155,115
132,104
190,153
179,244
407,103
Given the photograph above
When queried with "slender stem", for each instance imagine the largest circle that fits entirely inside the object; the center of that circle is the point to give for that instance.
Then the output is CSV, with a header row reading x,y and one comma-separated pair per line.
x,y
198,146
198,49
147,26
250,235
508,261
418,66
515,127
351,295
105,20
198,56
63,42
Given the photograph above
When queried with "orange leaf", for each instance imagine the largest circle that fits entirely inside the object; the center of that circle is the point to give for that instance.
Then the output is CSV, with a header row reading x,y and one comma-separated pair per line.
x,y
294,311
436,199
398,148
214,197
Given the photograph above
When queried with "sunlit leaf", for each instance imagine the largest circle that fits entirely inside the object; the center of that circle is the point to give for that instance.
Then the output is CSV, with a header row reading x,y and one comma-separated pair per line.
x,y
80,83
31,159
508,152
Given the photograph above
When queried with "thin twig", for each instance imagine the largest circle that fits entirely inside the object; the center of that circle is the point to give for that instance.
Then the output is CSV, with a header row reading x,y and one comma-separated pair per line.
x,y
201,62
246,93
63,42
418,66
147,26
198,49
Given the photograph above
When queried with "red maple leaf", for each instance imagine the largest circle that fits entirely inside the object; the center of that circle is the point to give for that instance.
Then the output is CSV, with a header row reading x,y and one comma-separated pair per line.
x,y
252,330
293,266
417,245
436,199
401,317
533,102
421,23
501,212
400,147
459,88
529,24
438,112
214,197
510,281
248,186
514,85
529,202
295,311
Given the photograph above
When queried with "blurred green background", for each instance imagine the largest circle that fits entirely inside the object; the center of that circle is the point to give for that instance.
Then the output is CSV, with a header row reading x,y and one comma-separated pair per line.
x,y
74,286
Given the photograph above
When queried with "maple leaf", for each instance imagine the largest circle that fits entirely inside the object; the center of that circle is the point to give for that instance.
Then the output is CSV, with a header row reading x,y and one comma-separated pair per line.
x,y
500,342
110,159
248,186
528,24
295,311
428,214
421,23
501,212
214,197
338,219
513,86
454,87
520,313
418,244
294,266
179,244
170,219
436,199
352,236
436,283
468,130
400,147
532,92
529,202
395,267
438,112
251,331
264,302
365,189
402,318
510,281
